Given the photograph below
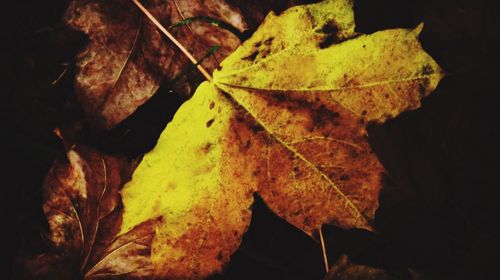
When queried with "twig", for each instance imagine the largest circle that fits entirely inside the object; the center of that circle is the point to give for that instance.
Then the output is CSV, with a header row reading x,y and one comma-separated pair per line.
x,y
210,52
325,258
66,67
172,38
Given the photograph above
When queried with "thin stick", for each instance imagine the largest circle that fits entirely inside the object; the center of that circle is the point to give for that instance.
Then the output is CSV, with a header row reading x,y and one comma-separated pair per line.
x,y
325,258
172,38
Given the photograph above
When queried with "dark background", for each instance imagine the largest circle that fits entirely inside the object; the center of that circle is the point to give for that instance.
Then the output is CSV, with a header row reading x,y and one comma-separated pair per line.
x,y
439,212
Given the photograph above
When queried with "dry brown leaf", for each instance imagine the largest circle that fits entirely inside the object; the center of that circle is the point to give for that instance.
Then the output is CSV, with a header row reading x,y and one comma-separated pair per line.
x,y
344,269
83,209
127,57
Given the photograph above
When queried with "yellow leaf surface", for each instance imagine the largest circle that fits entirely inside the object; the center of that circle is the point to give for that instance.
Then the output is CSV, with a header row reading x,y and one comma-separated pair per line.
x,y
284,117
204,201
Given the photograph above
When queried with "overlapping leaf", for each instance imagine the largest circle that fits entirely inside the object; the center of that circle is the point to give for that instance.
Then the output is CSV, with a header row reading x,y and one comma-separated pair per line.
x,y
83,209
344,269
127,57
285,117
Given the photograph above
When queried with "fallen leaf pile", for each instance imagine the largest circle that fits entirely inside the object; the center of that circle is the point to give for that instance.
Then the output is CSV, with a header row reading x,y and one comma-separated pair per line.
x,y
285,117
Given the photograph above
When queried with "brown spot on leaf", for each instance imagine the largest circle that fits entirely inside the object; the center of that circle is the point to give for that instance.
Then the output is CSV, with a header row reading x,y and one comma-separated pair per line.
x,y
427,70
268,41
255,127
256,173
252,56
321,116
220,256
354,154
205,149
329,40
265,53
344,177
331,30
210,122
330,27
248,144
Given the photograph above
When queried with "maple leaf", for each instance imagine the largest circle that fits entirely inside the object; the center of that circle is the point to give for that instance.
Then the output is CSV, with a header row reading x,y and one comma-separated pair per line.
x,y
83,208
285,117
127,58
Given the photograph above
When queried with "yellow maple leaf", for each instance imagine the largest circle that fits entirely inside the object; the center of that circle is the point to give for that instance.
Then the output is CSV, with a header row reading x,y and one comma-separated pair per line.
x,y
285,117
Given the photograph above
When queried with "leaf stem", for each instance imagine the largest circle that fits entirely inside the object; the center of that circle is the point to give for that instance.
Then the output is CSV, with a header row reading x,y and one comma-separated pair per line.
x,y
323,249
172,38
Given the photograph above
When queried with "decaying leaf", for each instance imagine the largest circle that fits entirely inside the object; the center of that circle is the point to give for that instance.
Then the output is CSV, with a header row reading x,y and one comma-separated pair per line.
x,y
127,58
83,208
344,269
284,117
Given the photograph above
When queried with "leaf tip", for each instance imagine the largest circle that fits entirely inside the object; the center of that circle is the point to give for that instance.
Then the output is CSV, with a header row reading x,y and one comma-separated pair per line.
x,y
418,29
